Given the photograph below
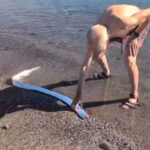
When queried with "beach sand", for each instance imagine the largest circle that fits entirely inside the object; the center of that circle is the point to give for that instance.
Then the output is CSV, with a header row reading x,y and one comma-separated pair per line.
x,y
52,35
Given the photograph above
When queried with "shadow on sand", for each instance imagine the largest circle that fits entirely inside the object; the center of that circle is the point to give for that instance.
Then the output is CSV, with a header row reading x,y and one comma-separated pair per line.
x,y
14,99
72,82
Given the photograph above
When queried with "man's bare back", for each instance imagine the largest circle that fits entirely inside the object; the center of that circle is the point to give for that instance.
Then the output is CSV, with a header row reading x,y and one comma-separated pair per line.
x,y
114,18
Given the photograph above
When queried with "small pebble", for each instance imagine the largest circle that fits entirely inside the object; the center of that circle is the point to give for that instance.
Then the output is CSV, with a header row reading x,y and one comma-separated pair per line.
x,y
4,127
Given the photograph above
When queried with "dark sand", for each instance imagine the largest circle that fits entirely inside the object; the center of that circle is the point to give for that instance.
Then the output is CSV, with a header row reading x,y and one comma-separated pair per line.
x,y
51,34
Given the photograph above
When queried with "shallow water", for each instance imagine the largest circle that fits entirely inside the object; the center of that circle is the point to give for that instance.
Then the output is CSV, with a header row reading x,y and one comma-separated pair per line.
x,y
52,24
52,17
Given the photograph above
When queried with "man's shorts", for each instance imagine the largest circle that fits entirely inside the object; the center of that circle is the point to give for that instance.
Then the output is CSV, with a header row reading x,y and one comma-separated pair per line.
x,y
143,35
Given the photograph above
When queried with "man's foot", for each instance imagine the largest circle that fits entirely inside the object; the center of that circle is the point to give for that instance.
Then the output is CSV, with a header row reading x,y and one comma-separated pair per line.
x,y
102,75
132,102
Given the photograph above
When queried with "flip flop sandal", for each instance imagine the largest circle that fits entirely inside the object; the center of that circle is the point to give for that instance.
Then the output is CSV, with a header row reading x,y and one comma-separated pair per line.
x,y
102,75
131,103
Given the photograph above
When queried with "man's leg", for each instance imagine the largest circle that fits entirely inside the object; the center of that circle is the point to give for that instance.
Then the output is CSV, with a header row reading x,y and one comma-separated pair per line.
x,y
132,50
102,61
97,42
133,72
82,76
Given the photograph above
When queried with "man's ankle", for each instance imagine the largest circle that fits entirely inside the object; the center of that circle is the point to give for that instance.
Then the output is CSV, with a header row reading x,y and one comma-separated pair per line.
x,y
108,72
134,95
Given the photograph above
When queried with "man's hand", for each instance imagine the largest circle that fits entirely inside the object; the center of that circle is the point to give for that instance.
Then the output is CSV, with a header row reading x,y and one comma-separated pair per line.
x,y
133,47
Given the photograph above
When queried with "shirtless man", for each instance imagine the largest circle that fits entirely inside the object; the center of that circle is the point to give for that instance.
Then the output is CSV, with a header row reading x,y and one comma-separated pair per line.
x,y
115,23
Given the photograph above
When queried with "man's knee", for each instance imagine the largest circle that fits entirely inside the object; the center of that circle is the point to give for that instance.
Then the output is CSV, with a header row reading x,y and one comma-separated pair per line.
x,y
130,61
101,54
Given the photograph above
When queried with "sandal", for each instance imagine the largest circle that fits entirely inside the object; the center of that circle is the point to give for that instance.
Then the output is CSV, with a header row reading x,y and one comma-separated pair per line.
x,y
130,103
101,75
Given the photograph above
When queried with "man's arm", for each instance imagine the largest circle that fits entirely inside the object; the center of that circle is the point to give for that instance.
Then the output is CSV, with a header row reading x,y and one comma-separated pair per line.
x,y
138,18
83,73
139,29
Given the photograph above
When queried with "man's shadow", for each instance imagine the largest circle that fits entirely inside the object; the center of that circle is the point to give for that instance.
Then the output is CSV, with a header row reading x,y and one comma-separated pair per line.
x,y
14,99
72,82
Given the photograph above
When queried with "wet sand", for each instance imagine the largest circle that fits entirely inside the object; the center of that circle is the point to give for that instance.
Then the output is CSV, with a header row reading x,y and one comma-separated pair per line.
x,y
51,34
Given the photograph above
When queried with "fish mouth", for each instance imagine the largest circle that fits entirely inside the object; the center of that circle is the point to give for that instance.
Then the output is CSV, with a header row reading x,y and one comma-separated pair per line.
x,y
23,74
